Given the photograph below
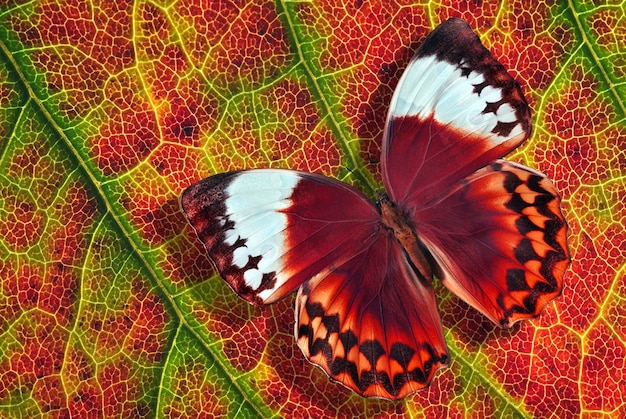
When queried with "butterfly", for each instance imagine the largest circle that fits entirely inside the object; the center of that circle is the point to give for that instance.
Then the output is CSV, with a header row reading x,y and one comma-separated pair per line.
x,y
490,230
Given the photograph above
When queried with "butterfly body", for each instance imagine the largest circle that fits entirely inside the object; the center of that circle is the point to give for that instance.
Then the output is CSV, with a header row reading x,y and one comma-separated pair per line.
x,y
491,230
396,221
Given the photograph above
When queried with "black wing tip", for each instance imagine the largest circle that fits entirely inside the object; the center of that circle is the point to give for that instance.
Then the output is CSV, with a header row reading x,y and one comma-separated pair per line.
x,y
455,23
451,39
205,190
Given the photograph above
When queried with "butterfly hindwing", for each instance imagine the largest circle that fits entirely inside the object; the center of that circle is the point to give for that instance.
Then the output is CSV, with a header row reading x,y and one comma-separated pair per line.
x,y
500,240
455,109
372,324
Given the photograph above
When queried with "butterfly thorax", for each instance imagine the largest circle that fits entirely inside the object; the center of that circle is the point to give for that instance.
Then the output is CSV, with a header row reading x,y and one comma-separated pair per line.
x,y
395,220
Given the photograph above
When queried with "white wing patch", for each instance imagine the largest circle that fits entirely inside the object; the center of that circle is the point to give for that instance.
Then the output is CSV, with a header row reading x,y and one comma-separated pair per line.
x,y
455,95
253,204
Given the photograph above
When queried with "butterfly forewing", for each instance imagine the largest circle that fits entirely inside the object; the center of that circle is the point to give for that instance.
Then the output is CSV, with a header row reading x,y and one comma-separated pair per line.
x,y
455,109
268,231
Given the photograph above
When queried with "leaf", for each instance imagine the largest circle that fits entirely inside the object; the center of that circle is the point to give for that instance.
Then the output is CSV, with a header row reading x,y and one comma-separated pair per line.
x,y
108,305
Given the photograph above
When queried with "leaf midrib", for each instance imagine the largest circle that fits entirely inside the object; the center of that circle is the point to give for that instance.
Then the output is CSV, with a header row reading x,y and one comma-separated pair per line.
x,y
597,61
316,90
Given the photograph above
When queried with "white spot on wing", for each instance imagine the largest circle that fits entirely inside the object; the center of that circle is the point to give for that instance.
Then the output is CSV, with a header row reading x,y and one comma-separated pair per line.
x,y
432,87
475,78
265,294
240,257
253,278
490,94
506,113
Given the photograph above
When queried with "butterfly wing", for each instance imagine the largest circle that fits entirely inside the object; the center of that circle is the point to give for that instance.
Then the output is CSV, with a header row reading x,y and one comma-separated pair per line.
x,y
362,314
372,324
494,228
500,241
268,231
455,109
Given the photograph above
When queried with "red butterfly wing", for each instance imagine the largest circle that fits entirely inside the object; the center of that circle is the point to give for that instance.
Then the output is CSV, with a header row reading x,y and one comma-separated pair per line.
x,y
499,239
494,228
372,324
454,110
362,313
261,242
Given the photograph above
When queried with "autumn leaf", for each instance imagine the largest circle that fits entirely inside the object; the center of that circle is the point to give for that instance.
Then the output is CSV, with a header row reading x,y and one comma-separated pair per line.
x,y
109,110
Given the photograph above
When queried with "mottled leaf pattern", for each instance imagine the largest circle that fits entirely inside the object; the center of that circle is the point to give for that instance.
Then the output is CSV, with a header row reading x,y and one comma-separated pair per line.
x,y
108,110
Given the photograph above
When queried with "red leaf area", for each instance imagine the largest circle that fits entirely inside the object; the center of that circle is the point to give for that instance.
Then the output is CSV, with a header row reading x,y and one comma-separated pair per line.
x,y
202,398
152,99
41,300
598,234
